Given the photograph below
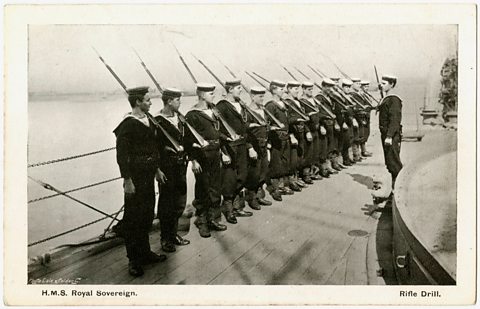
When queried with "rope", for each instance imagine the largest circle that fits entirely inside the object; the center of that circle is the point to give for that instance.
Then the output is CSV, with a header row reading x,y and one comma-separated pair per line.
x,y
50,187
70,158
69,231
73,190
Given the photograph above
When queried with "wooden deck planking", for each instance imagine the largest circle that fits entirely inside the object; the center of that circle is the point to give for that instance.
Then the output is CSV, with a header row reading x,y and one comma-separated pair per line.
x,y
228,252
356,273
302,240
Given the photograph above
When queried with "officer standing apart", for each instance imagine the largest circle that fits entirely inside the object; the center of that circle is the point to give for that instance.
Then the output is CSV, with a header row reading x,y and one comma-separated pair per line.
x,y
139,160
173,193
390,118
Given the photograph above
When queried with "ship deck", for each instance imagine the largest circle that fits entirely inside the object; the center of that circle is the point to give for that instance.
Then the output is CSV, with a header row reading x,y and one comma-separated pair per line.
x,y
328,234
323,235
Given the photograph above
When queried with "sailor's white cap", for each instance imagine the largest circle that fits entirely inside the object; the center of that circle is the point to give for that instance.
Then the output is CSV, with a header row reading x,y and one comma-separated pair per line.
x,y
307,84
328,82
205,87
257,90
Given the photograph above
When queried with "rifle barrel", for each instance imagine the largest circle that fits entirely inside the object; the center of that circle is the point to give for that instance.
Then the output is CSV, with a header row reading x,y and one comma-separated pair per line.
x,y
110,70
185,64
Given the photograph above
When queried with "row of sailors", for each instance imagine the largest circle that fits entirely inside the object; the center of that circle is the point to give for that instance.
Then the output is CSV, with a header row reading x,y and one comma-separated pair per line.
x,y
235,151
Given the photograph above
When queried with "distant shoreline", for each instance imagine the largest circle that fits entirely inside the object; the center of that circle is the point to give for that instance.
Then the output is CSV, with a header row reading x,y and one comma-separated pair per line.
x,y
87,96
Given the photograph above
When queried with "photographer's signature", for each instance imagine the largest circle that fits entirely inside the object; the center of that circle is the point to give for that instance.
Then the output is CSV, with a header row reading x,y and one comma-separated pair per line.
x,y
54,281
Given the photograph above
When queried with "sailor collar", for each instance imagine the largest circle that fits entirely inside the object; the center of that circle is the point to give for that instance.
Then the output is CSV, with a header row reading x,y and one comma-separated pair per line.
x,y
388,96
205,112
171,120
129,115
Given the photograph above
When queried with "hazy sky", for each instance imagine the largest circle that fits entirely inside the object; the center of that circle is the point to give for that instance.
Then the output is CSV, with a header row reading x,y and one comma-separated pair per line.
x,y
61,58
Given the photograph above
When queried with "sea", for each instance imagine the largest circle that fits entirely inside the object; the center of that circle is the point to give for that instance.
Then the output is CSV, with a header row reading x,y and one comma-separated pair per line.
x,y
62,126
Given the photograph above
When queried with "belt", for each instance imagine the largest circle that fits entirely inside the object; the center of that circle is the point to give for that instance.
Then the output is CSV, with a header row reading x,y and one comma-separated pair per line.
x,y
237,142
143,160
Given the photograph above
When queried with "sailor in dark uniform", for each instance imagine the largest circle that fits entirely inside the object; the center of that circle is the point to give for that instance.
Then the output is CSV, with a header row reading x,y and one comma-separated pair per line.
x,y
205,161
352,133
364,84
258,137
235,168
138,158
279,139
327,122
362,114
312,149
390,119
341,127
173,193
331,125
299,135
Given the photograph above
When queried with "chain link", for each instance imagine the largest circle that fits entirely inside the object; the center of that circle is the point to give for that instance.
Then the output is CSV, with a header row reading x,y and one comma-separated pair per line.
x,y
73,190
70,158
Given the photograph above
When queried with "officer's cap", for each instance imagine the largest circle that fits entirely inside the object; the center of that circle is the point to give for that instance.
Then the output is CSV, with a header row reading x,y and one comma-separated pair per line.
x,y
364,82
328,82
293,83
355,79
205,87
137,91
232,83
277,83
307,84
335,78
257,90
172,93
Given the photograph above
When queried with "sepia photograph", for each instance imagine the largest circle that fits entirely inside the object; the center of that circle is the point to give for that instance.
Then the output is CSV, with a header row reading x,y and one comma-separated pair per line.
x,y
170,154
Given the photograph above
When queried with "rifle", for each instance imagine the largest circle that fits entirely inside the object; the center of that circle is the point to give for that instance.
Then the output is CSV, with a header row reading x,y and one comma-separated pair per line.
x,y
267,112
201,141
274,119
110,70
295,109
371,96
317,101
289,73
177,147
340,92
378,81
217,114
185,65
248,109
304,103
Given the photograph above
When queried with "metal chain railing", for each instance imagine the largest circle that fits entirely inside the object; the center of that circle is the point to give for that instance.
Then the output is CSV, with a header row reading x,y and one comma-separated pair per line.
x,y
71,230
73,190
70,158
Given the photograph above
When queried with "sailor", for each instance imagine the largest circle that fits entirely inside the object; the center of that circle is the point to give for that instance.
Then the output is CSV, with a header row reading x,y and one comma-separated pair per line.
x,y
312,150
173,193
278,184
389,120
205,160
364,85
299,135
351,134
235,165
258,137
339,109
327,121
138,158
361,112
